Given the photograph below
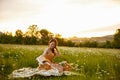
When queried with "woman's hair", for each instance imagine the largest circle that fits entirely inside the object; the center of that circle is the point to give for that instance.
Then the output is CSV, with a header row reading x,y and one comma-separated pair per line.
x,y
53,40
56,43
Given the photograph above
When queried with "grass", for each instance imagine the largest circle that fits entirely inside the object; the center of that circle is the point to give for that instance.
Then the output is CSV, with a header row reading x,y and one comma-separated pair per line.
x,y
90,63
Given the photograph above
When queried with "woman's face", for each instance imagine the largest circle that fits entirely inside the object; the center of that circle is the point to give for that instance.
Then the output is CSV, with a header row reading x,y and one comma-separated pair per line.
x,y
52,45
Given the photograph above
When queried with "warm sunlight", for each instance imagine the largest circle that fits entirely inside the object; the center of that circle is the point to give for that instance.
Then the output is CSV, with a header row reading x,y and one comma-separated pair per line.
x,y
67,17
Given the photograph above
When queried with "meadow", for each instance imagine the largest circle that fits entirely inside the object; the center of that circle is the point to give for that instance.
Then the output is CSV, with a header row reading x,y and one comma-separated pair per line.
x,y
89,63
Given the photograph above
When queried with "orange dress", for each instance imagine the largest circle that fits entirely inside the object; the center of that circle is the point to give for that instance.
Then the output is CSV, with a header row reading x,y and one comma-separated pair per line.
x,y
46,59
46,62
49,55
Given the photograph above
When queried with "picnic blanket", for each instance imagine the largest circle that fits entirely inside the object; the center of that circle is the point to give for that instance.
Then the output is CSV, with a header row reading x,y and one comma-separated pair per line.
x,y
28,72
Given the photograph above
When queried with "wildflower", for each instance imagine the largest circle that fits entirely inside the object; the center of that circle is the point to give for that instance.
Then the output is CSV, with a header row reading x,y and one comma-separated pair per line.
x,y
16,55
84,63
14,65
78,69
108,73
99,77
71,64
77,61
76,55
76,65
81,66
3,65
102,70
97,73
105,71
2,68
2,56
85,56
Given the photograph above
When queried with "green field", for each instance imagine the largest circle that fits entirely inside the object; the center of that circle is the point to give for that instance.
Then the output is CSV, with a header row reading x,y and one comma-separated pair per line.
x,y
90,63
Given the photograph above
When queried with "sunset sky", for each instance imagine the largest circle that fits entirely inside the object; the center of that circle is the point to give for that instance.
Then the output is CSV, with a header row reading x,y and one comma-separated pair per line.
x,y
81,18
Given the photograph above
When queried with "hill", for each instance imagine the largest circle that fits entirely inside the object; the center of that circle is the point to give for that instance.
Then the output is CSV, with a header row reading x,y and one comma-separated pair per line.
x,y
98,39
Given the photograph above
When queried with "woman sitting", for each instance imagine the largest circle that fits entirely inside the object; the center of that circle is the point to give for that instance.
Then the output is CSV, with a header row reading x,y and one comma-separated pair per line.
x,y
46,59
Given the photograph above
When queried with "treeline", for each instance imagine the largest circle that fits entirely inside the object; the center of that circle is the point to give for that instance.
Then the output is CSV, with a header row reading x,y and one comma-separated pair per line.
x,y
35,36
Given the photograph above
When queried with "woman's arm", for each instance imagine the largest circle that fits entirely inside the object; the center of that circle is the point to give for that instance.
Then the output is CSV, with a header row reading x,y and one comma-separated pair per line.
x,y
57,52
45,51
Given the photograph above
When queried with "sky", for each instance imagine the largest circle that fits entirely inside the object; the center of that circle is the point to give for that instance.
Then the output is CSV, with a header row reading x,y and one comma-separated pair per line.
x,y
81,18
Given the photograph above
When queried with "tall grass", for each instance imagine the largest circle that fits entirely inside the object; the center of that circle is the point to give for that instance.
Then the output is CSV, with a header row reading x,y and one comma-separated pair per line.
x,y
90,63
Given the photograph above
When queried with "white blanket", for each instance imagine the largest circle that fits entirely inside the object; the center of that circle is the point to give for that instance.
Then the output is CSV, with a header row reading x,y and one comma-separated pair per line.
x,y
28,72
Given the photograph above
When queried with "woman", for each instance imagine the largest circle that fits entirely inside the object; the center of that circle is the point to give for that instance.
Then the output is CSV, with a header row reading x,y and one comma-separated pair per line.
x,y
46,59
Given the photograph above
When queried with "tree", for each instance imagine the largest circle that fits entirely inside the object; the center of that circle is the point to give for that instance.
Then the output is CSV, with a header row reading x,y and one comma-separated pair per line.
x,y
117,39
32,35
108,44
93,44
6,37
44,36
58,35
19,37
32,31
70,43
44,32
61,40
18,33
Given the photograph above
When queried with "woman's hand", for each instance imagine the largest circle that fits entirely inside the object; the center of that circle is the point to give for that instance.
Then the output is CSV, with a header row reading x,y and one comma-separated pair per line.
x,y
57,52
